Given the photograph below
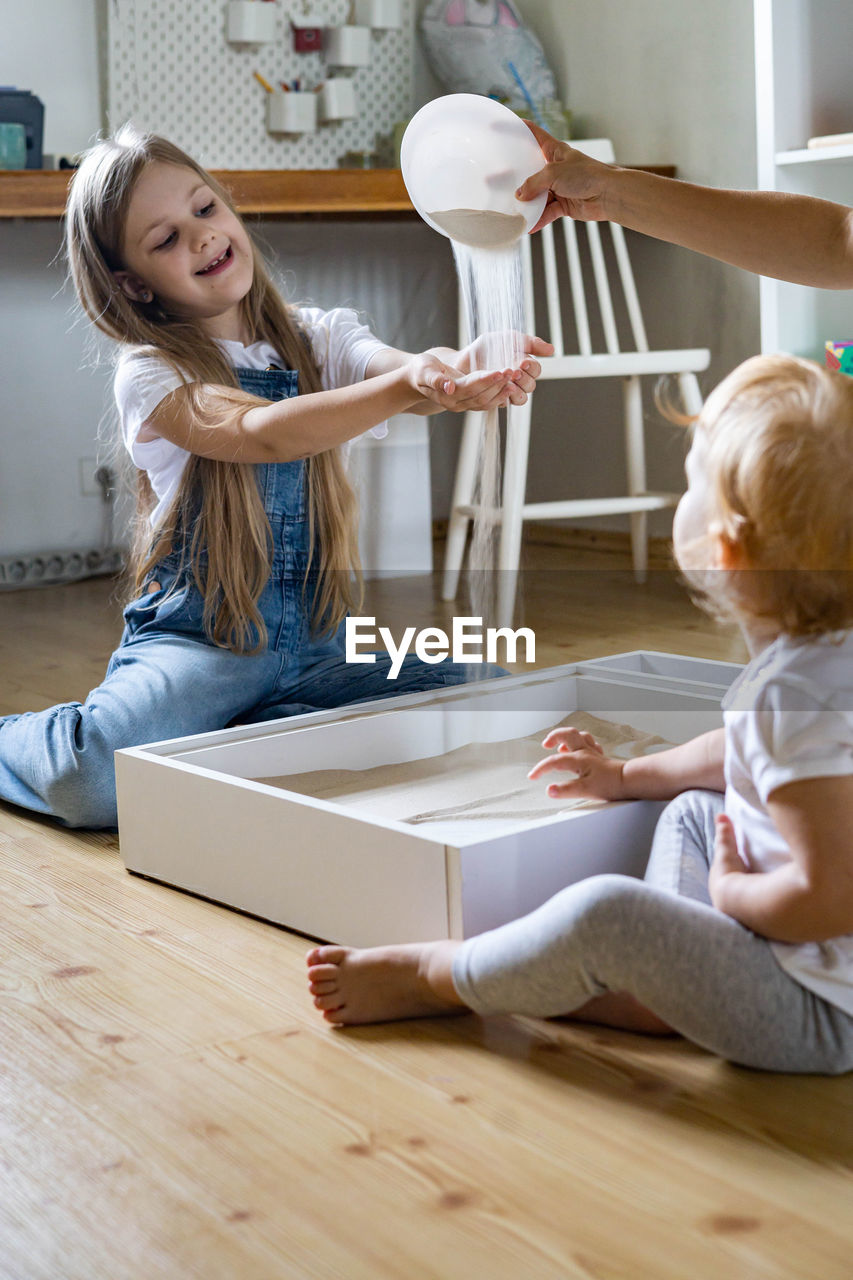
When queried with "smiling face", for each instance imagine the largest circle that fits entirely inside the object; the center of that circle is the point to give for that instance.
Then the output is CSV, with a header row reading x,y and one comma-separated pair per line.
x,y
185,247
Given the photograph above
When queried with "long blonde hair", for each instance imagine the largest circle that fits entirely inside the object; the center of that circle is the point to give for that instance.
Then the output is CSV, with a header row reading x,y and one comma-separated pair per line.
x,y
230,547
778,433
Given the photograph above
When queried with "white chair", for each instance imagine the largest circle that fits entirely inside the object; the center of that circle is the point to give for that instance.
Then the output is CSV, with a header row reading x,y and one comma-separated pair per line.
x,y
629,366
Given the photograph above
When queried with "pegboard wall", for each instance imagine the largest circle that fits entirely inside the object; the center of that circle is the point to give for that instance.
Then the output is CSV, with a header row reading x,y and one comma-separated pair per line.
x,y
172,71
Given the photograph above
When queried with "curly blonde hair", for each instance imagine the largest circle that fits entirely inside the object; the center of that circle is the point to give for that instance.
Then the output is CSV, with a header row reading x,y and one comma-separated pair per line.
x,y
778,436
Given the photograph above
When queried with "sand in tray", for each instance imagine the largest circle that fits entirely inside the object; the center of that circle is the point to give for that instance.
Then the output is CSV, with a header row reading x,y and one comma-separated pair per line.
x,y
482,781
480,228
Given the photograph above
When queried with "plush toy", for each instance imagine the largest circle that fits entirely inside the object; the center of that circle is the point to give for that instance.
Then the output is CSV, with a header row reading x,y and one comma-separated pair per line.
x,y
468,44
839,355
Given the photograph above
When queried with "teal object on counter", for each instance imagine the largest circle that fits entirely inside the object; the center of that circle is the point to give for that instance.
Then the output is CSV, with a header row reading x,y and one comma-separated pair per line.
x,y
13,146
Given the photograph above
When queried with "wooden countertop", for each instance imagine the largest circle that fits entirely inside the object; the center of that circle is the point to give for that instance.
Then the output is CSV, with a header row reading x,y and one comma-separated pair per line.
x,y
41,193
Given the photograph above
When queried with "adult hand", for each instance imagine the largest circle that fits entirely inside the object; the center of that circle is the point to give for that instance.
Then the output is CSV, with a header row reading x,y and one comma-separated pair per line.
x,y
575,183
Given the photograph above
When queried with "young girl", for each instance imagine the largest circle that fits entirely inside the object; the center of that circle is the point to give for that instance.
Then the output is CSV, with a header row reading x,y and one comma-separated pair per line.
x,y
233,407
741,935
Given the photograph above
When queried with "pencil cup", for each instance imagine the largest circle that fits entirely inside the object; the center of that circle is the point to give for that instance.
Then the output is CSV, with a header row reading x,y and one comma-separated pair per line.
x,y
337,100
347,46
250,22
292,112
382,15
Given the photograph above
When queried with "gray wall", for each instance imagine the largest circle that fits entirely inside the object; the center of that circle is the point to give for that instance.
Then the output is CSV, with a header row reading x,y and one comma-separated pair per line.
x,y
670,81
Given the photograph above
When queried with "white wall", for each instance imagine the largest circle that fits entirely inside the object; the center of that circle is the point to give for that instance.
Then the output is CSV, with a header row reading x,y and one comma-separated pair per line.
x,y
53,48
55,401
52,399
669,80
51,403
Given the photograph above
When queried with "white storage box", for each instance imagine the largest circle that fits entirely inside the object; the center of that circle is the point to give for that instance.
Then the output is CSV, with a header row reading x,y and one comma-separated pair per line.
x,y
248,22
391,478
293,112
696,675
347,46
192,813
337,100
381,15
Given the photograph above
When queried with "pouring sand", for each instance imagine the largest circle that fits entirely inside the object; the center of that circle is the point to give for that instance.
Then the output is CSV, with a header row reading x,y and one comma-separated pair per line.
x,y
480,228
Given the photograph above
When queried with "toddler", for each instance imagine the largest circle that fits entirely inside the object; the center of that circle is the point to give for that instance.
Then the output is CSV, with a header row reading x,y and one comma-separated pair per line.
x,y
740,937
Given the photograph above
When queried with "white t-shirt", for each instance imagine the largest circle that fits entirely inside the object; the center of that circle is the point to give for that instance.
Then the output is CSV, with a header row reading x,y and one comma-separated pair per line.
x,y
342,347
788,717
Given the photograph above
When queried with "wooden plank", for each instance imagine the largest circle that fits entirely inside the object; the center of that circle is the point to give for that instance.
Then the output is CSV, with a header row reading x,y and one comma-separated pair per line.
x,y
41,193
162,1053
174,1106
318,191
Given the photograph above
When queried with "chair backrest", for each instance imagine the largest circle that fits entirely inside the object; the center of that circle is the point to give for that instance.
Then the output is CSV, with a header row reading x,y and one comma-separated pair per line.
x,y
569,232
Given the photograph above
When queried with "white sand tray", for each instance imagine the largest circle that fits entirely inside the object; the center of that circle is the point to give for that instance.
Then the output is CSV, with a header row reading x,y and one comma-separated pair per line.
x,y
483,782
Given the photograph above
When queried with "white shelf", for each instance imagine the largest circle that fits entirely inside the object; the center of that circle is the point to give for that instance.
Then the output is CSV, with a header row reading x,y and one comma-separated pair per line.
x,y
815,155
803,89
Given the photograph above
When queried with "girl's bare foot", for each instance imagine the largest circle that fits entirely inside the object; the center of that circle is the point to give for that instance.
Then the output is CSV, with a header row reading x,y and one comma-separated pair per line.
x,y
382,984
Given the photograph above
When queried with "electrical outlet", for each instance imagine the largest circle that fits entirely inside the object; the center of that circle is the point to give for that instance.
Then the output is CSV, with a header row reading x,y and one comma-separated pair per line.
x,y
89,486
50,567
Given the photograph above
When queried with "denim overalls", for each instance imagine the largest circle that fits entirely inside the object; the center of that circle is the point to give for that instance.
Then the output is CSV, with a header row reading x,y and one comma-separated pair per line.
x,y
166,680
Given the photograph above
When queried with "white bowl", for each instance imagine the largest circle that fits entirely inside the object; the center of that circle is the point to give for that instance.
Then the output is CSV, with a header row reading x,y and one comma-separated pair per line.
x,y
463,156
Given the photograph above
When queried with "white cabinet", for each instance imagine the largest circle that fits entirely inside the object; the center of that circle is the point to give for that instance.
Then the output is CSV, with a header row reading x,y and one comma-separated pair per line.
x,y
391,478
804,89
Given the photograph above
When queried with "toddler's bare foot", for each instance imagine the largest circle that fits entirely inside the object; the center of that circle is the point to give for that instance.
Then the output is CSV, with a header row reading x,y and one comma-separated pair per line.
x,y
382,984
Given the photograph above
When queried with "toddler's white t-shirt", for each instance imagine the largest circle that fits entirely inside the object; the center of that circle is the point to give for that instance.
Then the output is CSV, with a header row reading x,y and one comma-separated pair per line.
x,y
342,347
789,717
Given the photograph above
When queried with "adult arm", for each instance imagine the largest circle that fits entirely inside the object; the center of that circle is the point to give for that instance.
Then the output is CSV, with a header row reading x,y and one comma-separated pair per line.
x,y
790,237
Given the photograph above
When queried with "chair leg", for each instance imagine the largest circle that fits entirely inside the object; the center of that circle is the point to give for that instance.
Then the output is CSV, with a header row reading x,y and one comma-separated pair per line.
x,y
691,396
635,454
463,493
512,519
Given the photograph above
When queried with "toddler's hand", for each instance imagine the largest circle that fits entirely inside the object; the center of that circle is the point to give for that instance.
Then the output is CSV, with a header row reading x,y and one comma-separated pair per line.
x,y
726,861
597,777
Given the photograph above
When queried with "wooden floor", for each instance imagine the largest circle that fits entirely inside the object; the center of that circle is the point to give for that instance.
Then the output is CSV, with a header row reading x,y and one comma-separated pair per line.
x,y
173,1107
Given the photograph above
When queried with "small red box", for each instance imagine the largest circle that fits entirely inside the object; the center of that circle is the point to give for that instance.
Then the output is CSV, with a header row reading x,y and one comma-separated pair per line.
x,y
307,39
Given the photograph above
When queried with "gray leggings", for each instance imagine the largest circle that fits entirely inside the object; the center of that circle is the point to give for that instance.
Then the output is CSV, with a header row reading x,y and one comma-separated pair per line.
x,y
659,939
